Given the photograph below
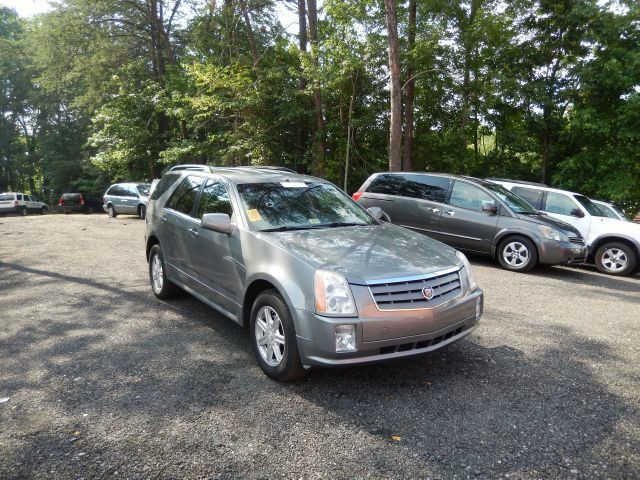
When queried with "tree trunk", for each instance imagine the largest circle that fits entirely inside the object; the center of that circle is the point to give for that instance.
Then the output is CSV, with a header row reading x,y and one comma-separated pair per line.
x,y
409,92
395,127
318,134
546,145
251,37
349,128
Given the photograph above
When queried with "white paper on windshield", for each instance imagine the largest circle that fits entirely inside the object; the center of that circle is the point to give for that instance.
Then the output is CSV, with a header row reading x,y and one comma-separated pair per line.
x,y
293,184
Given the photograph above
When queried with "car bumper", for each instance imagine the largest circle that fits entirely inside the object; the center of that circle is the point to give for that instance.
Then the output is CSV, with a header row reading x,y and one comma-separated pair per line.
x,y
11,209
443,325
552,252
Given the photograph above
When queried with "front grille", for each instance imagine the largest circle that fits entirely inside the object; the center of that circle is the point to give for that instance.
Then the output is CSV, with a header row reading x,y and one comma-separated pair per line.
x,y
577,241
423,344
405,295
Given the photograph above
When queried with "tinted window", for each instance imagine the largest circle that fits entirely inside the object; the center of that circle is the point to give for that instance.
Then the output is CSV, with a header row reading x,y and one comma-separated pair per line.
x,y
559,203
19,195
71,196
6,196
465,195
112,190
591,207
163,185
426,187
387,184
143,189
534,197
183,199
214,199
27,198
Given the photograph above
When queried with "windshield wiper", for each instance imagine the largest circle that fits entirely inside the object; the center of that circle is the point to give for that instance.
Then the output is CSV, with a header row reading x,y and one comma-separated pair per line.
x,y
341,224
285,228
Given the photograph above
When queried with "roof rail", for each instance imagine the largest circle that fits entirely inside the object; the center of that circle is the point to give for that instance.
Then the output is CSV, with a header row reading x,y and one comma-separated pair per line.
x,y
517,181
187,166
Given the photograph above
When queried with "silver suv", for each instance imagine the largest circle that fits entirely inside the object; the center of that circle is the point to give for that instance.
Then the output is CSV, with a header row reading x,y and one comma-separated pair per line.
x,y
318,280
129,198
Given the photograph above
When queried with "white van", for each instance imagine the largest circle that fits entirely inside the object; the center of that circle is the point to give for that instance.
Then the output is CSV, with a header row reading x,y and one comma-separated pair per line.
x,y
21,203
614,244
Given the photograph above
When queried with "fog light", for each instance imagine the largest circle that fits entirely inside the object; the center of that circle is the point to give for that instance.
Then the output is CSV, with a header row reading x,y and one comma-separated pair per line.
x,y
478,308
345,338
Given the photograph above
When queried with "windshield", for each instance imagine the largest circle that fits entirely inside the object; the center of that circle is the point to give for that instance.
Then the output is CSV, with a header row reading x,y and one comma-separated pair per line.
x,y
143,190
513,201
591,207
299,205
6,196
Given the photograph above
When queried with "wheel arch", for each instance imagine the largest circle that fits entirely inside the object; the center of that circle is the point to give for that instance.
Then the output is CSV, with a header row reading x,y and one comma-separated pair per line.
x,y
598,242
504,235
151,241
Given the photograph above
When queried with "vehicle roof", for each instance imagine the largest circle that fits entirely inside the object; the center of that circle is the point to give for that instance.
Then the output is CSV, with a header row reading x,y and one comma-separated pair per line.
x,y
439,174
255,175
539,187
130,183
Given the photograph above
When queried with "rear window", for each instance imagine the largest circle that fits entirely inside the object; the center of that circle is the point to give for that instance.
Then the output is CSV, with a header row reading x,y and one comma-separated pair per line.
x,y
143,190
165,182
387,185
6,196
424,187
71,196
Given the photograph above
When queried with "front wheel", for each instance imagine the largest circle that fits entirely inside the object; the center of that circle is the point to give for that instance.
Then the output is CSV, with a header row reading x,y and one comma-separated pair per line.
x,y
142,212
162,287
273,338
615,258
517,254
43,211
89,210
111,212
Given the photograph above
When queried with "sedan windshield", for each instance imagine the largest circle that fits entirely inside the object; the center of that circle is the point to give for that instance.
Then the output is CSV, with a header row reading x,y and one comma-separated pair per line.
x,y
299,205
591,207
515,203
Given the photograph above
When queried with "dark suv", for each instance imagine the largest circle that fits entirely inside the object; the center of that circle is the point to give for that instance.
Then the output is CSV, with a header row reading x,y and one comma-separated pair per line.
x,y
79,202
474,215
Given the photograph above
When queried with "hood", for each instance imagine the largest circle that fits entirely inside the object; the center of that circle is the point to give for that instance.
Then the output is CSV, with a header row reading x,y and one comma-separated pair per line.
x,y
368,253
615,225
551,222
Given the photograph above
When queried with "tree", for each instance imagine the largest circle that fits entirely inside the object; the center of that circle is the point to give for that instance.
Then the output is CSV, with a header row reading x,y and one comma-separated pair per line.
x,y
395,125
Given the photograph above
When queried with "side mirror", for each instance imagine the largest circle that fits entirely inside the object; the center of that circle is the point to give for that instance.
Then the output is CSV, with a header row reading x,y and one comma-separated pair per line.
x,y
576,212
490,207
378,214
218,222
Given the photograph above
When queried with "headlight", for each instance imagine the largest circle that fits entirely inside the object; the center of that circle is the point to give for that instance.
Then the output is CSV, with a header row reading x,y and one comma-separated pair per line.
x,y
466,272
552,233
333,294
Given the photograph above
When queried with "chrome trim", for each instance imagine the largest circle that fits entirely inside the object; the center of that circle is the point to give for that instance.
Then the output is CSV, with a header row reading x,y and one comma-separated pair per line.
x,y
418,228
414,277
460,236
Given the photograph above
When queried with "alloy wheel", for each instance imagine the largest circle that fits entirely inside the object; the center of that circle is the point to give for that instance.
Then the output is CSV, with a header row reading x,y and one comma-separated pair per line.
x,y
270,336
614,259
515,254
157,274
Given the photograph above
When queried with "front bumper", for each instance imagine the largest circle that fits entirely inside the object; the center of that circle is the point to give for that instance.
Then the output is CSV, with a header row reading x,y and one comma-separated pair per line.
x,y
442,325
552,252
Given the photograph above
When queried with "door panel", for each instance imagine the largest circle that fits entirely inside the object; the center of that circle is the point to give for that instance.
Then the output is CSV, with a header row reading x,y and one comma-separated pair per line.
x,y
420,215
463,224
559,206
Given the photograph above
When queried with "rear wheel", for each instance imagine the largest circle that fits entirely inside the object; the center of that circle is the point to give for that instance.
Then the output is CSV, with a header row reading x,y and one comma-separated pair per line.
x,y
23,211
89,210
142,212
616,258
162,287
43,210
517,254
273,338
111,212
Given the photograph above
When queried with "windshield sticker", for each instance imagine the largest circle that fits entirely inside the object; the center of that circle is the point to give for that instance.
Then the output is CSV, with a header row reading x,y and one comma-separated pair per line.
x,y
254,215
293,184
314,220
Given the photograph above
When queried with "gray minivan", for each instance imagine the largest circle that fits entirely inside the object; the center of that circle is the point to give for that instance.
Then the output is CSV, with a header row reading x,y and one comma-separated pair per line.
x,y
126,198
475,216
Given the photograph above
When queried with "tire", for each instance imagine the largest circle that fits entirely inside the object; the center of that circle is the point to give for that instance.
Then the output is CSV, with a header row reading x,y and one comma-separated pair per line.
x,y
111,211
89,210
142,212
615,258
162,287
517,254
24,212
43,211
271,321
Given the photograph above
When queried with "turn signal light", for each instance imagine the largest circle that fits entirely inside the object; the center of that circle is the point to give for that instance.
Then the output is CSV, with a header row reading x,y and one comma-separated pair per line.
x,y
356,196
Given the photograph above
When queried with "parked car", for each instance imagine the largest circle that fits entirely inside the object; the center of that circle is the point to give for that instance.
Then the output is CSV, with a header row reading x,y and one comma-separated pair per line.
x,y
473,215
21,203
79,202
126,198
609,210
318,280
613,244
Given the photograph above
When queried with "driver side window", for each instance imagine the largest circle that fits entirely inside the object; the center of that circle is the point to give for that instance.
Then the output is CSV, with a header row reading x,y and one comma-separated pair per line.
x,y
559,203
214,199
465,195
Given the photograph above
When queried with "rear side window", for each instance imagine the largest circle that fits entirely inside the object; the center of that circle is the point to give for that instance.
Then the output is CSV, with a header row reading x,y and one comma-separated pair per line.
x,y
184,197
559,203
163,185
214,199
469,196
387,184
27,198
531,195
427,187
19,195
6,196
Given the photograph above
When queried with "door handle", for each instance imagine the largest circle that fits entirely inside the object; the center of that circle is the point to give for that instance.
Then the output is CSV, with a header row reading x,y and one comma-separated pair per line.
x,y
164,219
435,210
193,232
450,212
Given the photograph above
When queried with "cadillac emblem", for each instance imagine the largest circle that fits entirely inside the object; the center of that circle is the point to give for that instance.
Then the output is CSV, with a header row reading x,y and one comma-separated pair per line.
x,y
427,292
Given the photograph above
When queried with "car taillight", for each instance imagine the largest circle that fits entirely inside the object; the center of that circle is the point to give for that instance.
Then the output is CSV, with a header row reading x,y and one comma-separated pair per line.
x,y
356,196
81,200
15,204
61,201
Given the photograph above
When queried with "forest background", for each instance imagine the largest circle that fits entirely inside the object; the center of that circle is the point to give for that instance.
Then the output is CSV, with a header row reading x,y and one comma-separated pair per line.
x,y
97,91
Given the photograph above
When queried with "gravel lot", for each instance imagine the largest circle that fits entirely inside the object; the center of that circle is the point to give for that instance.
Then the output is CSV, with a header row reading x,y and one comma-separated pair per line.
x,y
104,380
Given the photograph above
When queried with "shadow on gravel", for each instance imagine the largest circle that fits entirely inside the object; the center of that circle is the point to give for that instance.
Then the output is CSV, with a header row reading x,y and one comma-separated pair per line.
x,y
491,410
